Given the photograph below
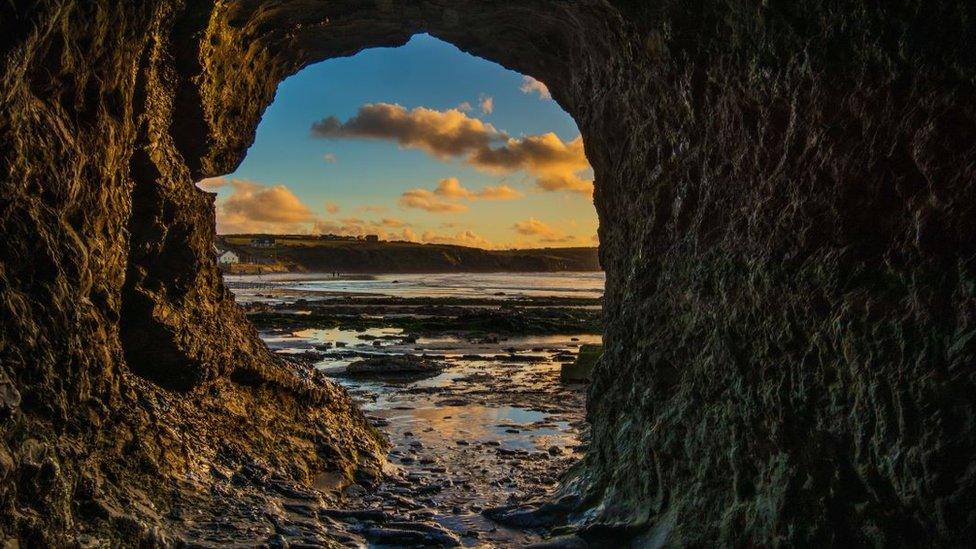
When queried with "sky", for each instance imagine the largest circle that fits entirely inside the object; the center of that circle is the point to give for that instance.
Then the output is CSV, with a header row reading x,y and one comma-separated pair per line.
x,y
423,143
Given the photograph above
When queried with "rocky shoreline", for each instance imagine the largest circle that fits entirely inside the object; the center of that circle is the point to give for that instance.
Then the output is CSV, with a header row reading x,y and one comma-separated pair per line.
x,y
478,427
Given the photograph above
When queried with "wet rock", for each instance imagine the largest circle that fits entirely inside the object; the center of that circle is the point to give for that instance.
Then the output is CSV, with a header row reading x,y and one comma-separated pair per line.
x,y
561,542
454,402
525,358
354,491
304,509
403,537
582,369
394,366
436,532
366,515
429,489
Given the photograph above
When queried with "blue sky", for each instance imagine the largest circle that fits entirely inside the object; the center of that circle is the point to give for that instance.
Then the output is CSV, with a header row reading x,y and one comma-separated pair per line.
x,y
349,181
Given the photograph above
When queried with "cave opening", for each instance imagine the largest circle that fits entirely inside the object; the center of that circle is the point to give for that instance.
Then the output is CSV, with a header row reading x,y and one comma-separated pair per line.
x,y
416,224
786,225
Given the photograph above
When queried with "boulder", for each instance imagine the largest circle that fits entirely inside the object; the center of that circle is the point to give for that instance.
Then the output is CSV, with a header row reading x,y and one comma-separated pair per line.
x,y
582,369
400,365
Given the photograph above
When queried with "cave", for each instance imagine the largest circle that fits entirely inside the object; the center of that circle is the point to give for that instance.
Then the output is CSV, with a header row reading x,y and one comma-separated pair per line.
x,y
787,223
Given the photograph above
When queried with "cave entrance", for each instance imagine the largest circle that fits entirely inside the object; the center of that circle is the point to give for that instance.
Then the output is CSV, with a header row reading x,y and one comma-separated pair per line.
x,y
416,223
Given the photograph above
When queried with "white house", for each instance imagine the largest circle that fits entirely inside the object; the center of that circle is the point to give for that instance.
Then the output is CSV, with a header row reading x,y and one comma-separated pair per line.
x,y
228,257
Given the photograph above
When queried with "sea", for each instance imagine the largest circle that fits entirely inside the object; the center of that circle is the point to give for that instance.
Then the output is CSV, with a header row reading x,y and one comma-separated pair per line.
x,y
270,287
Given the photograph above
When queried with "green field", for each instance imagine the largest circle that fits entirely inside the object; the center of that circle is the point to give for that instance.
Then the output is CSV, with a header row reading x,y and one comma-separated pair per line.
x,y
305,253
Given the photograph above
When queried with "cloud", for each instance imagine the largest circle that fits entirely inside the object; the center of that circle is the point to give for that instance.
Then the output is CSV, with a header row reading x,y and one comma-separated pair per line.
x,y
534,227
462,238
212,184
252,207
422,199
464,106
372,209
386,229
555,164
446,196
329,157
486,103
531,85
499,192
393,223
451,188
332,207
443,134
558,239
395,229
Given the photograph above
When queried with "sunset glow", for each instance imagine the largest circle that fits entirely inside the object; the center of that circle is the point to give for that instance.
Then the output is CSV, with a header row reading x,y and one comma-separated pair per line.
x,y
422,143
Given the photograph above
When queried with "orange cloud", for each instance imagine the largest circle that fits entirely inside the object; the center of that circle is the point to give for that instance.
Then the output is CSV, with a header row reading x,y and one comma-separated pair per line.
x,y
534,227
531,85
555,164
393,223
252,207
386,229
500,192
445,197
486,103
422,199
331,207
451,188
463,238
395,229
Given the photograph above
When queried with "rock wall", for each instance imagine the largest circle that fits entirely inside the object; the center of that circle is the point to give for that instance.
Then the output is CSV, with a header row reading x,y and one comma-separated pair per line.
x,y
126,371
787,203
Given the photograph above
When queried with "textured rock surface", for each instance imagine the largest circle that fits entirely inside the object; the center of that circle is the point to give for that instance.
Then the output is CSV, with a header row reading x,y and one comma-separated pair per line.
x,y
788,218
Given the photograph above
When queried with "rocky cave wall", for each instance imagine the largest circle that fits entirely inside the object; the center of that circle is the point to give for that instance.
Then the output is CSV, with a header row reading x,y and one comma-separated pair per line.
x,y
787,221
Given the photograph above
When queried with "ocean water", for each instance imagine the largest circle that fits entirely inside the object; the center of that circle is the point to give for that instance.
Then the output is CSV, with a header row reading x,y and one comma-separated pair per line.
x,y
274,287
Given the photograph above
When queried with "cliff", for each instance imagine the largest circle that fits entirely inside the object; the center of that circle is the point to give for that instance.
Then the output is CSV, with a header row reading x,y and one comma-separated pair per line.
x,y
315,255
786,198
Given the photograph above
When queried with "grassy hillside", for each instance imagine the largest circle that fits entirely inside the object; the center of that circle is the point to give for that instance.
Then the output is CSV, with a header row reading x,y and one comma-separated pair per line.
x,y
307,253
